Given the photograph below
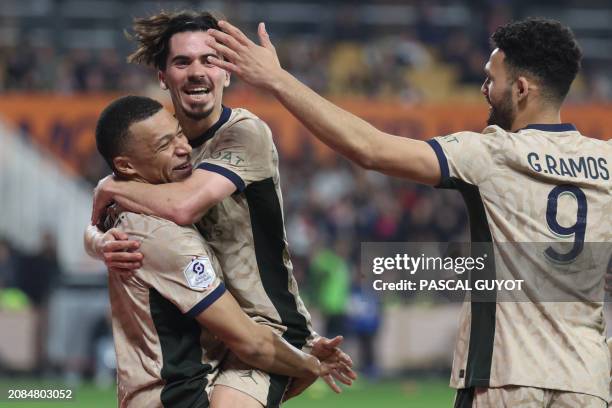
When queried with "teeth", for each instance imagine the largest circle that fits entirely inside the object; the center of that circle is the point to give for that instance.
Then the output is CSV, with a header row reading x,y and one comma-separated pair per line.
x,y
198,90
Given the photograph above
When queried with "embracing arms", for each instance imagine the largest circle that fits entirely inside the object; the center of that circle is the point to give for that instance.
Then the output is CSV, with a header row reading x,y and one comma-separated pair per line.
x,y
183,202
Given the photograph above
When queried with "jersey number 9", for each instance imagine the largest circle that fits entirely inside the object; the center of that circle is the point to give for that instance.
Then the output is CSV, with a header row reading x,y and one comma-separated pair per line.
x,y
578,230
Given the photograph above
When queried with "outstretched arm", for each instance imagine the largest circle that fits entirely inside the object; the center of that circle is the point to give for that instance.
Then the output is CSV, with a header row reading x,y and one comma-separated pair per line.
x,y
339,129
182,202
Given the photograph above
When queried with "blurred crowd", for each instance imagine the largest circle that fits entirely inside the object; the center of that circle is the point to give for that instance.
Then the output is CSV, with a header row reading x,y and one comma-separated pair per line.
x,y
27,280
422,62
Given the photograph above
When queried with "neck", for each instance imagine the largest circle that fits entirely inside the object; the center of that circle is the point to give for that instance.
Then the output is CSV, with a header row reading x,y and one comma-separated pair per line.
x,y
195,127
542,116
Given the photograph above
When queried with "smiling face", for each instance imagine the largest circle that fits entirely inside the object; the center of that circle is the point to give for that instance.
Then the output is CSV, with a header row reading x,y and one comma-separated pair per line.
x,y
196,87
497,90
157,151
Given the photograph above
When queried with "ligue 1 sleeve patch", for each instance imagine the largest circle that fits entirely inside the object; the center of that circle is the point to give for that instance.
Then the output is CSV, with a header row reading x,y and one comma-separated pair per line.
x,y
199,273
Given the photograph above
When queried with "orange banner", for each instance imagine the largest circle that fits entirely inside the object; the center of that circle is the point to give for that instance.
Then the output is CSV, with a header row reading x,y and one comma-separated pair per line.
x,y
65,125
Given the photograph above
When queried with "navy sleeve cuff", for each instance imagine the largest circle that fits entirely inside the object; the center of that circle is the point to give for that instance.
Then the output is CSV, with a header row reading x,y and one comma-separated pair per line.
x,y
444,172
230,175
207,301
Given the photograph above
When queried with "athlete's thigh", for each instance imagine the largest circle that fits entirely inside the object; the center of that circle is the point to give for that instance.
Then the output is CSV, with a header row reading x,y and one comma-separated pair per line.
x,y
266,389
228,397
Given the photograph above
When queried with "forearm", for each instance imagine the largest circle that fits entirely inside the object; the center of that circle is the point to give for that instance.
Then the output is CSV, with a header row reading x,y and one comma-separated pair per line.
x,y
341,130
274,354
355,138
92,241
253,343
168,201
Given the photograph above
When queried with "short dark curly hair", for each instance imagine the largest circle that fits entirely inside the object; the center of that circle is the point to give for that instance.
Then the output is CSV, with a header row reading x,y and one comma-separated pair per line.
x,y
113,127
152,34
544,48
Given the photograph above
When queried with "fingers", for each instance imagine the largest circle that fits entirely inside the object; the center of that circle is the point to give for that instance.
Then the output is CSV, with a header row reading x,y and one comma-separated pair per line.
x,y
223,39
327,344
122,248
329,380
345,374
343,371
123,260
330,343
348,371
345,358
128,266
338,375
223,50
234,32
264,37
226,65
118,234
333,343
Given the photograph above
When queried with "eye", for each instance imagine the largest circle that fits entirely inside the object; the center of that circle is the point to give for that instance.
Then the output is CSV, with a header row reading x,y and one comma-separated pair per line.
x,y
181,63
163,147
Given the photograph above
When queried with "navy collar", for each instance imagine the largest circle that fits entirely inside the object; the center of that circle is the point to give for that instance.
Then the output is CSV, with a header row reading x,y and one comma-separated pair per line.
x,y
210,132
558,127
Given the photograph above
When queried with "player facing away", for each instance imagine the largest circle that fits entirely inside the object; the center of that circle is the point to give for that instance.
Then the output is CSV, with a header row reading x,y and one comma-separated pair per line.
x,y
233,196
516,190
173,317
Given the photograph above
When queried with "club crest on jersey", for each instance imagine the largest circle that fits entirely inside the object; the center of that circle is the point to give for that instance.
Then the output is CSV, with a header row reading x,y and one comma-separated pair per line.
x,y
199,273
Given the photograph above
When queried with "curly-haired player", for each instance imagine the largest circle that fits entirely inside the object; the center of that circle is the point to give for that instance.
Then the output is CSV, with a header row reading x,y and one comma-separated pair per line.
x,y
526,178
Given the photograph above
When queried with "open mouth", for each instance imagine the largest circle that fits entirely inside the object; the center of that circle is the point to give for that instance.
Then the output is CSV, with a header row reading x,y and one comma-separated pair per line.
x,y
184,166
202,90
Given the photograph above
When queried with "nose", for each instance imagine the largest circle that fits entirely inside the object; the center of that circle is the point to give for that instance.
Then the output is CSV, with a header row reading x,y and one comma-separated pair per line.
x,y
197,72
484,89
183,147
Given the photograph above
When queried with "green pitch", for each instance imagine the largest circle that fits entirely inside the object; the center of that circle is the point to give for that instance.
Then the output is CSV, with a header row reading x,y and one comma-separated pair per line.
x,y
404,394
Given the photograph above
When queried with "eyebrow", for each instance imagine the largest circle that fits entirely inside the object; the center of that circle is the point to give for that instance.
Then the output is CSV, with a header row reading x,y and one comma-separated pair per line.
x,y
185,57
180,57
163,140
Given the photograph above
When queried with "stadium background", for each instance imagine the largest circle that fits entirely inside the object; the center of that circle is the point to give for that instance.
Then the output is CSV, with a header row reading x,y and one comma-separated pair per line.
x,y
410,67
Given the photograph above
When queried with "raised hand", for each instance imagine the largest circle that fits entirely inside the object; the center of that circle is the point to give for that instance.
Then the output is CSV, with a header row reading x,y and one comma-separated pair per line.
x,y
256,64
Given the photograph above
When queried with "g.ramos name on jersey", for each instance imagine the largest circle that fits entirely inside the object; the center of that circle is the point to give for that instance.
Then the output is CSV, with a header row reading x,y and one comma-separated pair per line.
x,y
585,167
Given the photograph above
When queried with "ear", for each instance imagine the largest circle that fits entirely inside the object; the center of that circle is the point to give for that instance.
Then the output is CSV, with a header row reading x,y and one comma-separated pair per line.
x,y
162,80
227,79
124,167
523,86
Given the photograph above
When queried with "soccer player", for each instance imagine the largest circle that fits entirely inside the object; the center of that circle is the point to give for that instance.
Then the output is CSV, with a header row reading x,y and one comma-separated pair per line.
x,y
508,353
165,356
235,185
